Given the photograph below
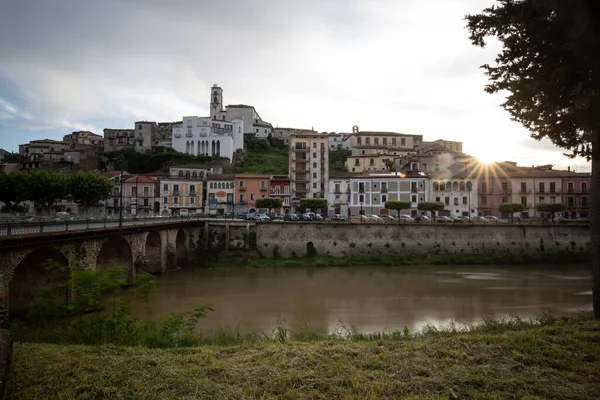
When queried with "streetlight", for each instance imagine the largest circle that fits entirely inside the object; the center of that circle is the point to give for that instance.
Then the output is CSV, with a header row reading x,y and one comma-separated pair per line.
x,y
121,200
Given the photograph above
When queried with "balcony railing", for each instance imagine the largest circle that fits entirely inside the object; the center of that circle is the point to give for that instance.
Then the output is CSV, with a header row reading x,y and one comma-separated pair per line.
x,y
301,171
301,190
177,135
242,187
301,149
189,134
263,188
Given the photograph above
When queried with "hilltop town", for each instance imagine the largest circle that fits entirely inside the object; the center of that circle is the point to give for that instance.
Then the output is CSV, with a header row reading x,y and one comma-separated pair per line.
x,y
207,165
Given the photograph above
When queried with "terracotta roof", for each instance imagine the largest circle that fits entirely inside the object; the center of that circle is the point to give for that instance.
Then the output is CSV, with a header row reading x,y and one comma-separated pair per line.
x,y
250,176
197,166
110,174
280,178
141,179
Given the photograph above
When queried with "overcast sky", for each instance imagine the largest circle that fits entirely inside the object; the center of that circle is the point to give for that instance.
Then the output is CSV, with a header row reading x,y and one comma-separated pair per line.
x,y
391,65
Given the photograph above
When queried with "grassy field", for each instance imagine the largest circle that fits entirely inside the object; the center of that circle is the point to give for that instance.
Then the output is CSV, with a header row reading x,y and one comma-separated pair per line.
x,y
550,358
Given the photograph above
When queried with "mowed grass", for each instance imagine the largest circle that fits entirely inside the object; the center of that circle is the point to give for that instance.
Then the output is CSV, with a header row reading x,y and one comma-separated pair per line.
x,y
550,358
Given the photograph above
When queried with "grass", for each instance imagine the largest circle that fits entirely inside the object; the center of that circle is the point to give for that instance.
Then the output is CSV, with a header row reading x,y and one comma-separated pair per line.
x,y
557,257
553,358
272,162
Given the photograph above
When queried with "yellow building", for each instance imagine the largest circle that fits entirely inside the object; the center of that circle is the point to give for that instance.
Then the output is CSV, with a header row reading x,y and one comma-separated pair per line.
x,y
181,196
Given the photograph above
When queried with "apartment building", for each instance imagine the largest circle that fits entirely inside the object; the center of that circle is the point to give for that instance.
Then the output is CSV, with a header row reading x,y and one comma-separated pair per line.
x,y
372,142
338,197
140,195
195,170
248,188
309,165
370,191
181,195
576,195
370,162
37,149
219,193
118,139
279,188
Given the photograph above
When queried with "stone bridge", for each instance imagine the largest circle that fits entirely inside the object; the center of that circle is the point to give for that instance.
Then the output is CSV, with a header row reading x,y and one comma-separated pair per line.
x,y
152,248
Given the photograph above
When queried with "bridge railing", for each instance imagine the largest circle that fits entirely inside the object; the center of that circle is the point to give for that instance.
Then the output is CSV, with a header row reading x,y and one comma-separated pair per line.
x,y
43,225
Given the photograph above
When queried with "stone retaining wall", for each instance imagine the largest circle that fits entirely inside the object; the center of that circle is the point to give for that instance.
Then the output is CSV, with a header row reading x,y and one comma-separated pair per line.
x,y
340,239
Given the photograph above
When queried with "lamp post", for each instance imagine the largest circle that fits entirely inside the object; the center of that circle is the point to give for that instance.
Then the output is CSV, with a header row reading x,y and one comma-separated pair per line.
x,y
121,200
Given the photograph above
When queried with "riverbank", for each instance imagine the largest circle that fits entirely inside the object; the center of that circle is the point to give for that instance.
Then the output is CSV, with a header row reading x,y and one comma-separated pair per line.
x,y
240,259
557,358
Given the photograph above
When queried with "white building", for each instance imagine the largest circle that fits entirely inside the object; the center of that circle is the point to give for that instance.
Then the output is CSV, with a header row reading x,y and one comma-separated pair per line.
x,y
253,123
336,140
206,136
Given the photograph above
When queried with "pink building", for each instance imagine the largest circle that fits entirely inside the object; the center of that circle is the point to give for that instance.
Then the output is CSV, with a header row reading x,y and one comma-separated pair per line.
x,y
248,188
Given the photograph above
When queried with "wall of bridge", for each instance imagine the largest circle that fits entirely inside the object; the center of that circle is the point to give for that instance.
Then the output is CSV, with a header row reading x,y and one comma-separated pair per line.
x,y
340,239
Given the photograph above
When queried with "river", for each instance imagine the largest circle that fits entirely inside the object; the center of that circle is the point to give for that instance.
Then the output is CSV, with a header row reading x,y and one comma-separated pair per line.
x,y
368,299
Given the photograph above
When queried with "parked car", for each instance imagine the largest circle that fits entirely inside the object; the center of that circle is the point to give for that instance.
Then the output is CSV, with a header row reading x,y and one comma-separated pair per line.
x,y
250,216
290,217
261,217
338,217
405,218
305,217
444,220
374,218
478,220
318,217
387,218
492,219
422,218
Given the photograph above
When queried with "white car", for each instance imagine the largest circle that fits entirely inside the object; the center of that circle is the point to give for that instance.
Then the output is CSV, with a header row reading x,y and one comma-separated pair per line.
x,y
405,218
262,217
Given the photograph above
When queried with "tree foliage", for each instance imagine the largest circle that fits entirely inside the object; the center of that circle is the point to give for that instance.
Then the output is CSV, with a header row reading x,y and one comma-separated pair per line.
x,y
550,71
313,204
511,208
548,66
13,189
337,159
268,203
45,187
398,205
88,188
551,208
142,163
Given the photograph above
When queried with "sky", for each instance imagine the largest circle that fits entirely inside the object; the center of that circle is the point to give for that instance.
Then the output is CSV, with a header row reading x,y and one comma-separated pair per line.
x,y
384,65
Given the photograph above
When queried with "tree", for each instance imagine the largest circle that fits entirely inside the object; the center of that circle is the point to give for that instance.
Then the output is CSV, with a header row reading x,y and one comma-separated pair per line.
x,y
398,205
13,189
511,208
551,208
45,187
550,70
313,204
268,203
431,206
88,188
337,159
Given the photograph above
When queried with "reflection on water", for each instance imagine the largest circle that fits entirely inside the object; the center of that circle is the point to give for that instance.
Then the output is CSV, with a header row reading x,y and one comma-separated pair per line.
x,y
369,299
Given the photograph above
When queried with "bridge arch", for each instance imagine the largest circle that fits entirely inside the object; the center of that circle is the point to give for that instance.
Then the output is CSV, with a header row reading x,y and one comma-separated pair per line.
x,y
116,251
32,274
153,253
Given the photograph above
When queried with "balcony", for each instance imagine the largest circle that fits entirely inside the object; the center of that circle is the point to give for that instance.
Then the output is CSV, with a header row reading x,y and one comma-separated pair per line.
x,y
263,188
177,135
525,191
300,160
242,187
301,149
506,191
301,171
189,134
301,179
301,190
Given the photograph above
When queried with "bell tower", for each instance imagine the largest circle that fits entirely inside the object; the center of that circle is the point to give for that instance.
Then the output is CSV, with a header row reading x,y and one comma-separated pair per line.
x,y
216,101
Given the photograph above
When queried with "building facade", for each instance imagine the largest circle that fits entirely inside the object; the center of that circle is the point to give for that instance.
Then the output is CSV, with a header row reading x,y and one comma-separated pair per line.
x,y
219,193
279,188
309,166
248,188
208,137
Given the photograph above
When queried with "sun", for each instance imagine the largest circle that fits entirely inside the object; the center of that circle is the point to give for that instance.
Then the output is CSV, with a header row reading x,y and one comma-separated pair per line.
x,y
485,155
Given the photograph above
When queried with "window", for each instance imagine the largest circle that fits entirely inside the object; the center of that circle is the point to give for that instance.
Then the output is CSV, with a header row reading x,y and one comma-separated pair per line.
x,y
251,196
385,141
542,200
192,200
176,188
359,141
242,186
193,189
315,165
571,201
194,174
584,187
505,199
570,187
465,200
241,198
361,187
314,185
552,187
367,141
524,200
134,191
402,142
542,187
484,200
447,200
175,200
166,187
584,202
437,199
504,187
181,174
262,196
456,201
371,162
361,198
384,187
139,127
393,141
376,141
314,155
314,174
483,187
165,200
523,187
187,174
383,198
